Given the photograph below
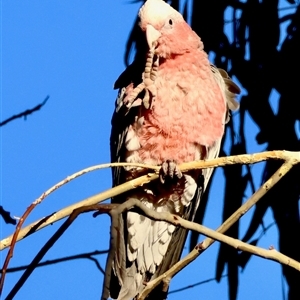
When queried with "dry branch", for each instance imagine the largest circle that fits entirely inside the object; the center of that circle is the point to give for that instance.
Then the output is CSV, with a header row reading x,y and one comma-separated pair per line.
x,y
292,158
54,217
270,254
49,244
201,164
49,262
18,234
284,169
25,113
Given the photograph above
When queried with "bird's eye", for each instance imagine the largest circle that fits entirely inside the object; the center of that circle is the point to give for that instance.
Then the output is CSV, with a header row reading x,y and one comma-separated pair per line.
x,y
171,22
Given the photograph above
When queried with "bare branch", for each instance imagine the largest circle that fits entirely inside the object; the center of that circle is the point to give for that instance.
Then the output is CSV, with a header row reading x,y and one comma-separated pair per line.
x,y
17,235
54,217
190,286
6,216
44,250
116,209
271,254
218,162
292,157
243,159
87,255
223,228
25,113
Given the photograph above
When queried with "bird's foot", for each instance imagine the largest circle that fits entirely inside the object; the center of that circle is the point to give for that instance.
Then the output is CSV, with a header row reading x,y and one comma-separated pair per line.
x,y
132,99
169,172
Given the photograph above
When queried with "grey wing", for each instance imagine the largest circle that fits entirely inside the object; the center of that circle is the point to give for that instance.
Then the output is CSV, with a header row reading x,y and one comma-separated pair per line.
x,y
122,118
230,90
119,128
177,242
228,87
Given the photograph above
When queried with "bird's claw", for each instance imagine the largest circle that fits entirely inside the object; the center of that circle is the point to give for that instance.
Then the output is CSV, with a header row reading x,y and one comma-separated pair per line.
x,y
169,171
150,93
132,99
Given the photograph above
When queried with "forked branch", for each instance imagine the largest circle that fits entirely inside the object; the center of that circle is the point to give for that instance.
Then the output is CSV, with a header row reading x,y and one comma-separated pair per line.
x,y
291,159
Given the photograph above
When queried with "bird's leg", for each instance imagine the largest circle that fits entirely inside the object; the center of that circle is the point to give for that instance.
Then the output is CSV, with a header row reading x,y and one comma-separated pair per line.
x,y
149,78
169,172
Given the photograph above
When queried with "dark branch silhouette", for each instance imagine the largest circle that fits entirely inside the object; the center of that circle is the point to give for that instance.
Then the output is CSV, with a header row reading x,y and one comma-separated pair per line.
x,y
190,286
25,113
6,216
88,255
36,260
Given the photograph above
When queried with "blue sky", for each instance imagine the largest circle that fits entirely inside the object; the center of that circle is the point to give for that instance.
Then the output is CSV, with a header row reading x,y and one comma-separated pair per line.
x,y
73,52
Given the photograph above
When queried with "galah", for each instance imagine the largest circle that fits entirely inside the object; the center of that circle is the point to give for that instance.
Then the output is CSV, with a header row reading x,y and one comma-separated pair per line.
x,y
171,108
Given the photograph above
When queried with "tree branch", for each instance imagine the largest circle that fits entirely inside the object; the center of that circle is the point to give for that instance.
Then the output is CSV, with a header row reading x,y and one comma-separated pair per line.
x,y
25,113
218,162
54,217
292,157
284,169
6,216
190,286
87,255
270,254
44,250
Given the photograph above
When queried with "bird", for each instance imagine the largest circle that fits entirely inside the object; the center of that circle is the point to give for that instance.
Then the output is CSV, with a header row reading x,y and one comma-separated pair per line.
x,y
171,108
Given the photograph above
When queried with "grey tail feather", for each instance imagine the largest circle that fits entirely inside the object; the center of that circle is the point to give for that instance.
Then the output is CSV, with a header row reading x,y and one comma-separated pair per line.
x,y
175,249
132,284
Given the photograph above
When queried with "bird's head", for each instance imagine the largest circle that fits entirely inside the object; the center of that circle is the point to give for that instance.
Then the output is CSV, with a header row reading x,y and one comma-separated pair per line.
x,y
166,29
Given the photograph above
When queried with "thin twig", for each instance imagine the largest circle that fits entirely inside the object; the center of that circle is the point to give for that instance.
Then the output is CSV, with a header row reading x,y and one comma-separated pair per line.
x,y
52,218
190,286
45,249
87,255
25,113
16,235
6,216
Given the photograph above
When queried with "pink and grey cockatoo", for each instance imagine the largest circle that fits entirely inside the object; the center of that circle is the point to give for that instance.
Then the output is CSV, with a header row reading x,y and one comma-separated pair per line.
x,y
172,108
